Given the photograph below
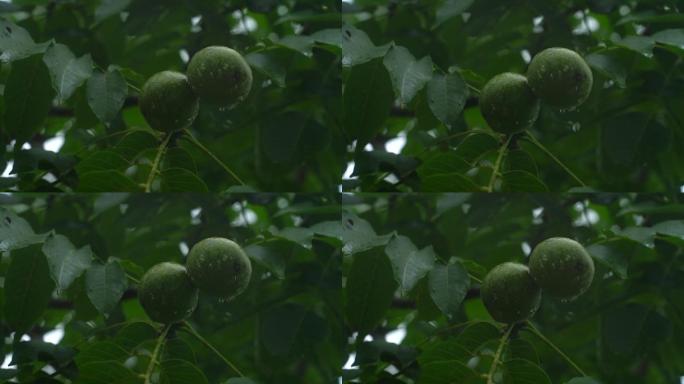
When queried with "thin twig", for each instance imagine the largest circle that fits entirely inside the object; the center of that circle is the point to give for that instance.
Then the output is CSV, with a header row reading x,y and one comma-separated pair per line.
x,y
497,165
536,142
555,348
497,356
216,159
213,349
155,353
157,160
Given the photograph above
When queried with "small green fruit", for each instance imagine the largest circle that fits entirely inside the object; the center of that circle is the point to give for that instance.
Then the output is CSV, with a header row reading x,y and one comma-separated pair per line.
x,y
508,104
509,293
220,267
220,75
167,294
562,267
560,77
168,102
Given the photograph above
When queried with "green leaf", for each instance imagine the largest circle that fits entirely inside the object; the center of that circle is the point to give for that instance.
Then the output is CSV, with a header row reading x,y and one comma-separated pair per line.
x,y
285,327
287,143
610,62
673,228
181,180
447,95
66,262
673,37
369,291
28,98
106,181
357,234
177,371
367,98
105,284
357,48
633,138
408,262
519,160
449,285
610,254
622,327
522,349
101,351
272,63
522,181
240,380
16,43
104,160
445,362
474,146
67,71
583,380
107,372
136,142
106,94
408,75
15,232
449,182
447,372
28,288
519,371
109,8
475,335
450,9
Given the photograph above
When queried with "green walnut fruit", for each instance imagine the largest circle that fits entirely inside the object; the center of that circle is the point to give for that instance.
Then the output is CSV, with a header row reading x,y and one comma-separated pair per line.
x,y
509,293
168,102
219,266
167,294
560,77
508,103
562,267
220,75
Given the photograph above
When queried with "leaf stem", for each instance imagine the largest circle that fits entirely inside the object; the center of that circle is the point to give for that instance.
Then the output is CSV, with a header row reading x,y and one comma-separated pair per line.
x,y
213,349
157,160
208,152
155,353
554,347
497,356
472,88
536,142
134,87
497,165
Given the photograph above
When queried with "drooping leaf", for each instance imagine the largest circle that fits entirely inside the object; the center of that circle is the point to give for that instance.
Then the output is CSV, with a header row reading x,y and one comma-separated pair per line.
x,y
28,288
28,98
369,290
106,93
16,43
447,94
367,99
408,75
105,284
67,71
408,262
448,287
66,261
16,232
357,48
